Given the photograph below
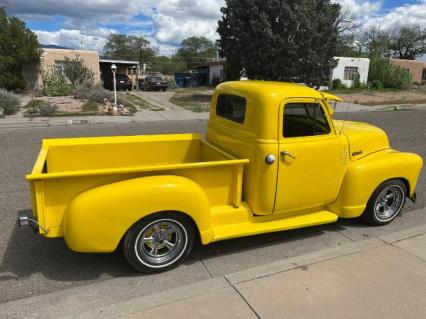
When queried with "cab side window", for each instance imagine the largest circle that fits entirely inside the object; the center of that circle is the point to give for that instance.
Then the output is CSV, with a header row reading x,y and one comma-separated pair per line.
x,y
304,119
231,107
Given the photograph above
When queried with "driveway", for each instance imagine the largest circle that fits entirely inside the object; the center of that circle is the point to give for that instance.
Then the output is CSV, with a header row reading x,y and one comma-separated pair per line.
x,y
32,265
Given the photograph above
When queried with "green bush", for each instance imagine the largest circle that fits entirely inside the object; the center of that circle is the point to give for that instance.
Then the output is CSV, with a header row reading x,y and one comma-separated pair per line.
x,y
388,74
336,84
55,84
9,103
376,85
356,83
171,83
39,107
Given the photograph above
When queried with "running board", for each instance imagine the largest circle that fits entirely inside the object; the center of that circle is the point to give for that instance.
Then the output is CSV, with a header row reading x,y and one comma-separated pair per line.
x,y
255,227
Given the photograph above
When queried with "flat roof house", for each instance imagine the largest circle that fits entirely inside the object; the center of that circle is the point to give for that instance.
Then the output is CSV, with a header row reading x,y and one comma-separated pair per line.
x,y
416,68
54,58
347,69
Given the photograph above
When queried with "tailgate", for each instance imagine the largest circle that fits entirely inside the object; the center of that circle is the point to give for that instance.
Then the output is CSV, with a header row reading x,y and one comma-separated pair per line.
x,y
36,188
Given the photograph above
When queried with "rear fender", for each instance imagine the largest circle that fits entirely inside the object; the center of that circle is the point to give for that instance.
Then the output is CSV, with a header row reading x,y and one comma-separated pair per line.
x,y
97,219
366,174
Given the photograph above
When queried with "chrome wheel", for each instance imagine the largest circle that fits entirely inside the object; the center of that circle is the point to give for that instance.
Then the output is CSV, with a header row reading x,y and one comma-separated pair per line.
x,y
389,203
160,243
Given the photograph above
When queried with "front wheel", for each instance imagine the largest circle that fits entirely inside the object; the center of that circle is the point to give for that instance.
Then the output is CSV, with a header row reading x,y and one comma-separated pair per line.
x,y
385,203
159,242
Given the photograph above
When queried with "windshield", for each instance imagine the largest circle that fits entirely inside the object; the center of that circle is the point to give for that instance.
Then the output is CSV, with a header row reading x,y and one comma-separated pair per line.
x,y
156,78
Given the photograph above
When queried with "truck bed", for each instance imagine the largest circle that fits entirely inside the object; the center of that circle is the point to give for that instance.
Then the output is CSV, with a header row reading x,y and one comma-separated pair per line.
x,y
67,167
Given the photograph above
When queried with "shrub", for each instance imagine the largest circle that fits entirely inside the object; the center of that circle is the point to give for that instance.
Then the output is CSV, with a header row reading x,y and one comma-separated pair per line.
x,y
171,83
47,109
55,84
336,84
376,85
390,75
356,83
39,107
9,102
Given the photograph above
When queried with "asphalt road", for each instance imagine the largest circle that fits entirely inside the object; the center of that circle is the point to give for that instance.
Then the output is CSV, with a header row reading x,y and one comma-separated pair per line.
x,y
32,265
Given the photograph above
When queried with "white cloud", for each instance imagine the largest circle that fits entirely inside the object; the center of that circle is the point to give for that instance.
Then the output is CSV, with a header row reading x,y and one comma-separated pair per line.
x,y
76,39
170,21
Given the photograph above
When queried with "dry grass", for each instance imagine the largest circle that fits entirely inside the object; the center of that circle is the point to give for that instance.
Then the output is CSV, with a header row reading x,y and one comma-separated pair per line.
x,y
193,100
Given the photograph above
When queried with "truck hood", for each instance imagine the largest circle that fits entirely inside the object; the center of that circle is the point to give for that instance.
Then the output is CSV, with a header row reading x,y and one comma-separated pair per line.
x,y
363,138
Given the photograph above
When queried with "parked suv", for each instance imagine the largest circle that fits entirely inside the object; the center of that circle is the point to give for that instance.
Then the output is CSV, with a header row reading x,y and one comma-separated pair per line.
x,y
123,82
154,82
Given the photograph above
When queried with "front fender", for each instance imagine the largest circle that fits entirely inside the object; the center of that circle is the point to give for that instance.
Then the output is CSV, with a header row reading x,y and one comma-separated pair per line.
x,y
97,219
365,175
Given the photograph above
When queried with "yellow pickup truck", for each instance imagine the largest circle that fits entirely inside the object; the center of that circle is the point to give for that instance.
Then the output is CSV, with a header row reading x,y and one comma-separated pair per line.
x,y
274,159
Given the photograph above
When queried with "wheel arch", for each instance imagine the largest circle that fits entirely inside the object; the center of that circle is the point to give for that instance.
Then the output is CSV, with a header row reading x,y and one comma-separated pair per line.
x,y
364,176
96,220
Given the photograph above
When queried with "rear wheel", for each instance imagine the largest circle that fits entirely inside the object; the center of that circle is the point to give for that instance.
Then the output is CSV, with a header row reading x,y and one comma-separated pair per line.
x,y
385,203
159,242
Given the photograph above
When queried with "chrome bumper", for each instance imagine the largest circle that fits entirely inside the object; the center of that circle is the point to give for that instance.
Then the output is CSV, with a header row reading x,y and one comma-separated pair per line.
x,y
25,220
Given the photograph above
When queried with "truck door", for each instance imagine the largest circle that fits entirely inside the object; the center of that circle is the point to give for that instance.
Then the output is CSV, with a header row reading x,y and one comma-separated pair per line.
x,y
309,167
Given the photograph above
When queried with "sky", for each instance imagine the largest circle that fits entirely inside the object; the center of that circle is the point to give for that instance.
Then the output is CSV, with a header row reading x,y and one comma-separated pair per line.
x,y
85,24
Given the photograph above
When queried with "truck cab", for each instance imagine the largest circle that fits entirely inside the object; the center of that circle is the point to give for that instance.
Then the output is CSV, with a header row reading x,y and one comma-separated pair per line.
x,y
274,159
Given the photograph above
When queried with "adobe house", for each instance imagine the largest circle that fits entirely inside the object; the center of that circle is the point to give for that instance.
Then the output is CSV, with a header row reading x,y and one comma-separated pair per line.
x,y
416,68
347,69
54,59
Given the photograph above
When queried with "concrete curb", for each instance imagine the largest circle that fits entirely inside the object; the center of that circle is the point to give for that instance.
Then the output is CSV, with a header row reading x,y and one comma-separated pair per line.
x,y
98,301
150,301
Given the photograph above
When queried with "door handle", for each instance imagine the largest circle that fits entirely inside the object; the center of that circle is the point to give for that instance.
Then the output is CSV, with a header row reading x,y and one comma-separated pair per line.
x,y
285,153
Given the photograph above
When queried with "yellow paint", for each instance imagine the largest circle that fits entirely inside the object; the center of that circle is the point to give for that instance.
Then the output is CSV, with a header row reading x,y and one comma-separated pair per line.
x,y
92,190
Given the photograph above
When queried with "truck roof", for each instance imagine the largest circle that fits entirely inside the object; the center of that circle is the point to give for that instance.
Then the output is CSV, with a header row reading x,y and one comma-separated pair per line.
x,y
271,89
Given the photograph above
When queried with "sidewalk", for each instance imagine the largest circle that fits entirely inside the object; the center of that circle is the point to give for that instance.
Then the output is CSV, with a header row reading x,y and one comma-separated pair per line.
x,y
383,277
177,113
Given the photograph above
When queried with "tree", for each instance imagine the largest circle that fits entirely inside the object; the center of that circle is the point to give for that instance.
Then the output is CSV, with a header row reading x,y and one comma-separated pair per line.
x,y
18,47
407,42
76,71
195,51
279,39
128,47
167,65
376,42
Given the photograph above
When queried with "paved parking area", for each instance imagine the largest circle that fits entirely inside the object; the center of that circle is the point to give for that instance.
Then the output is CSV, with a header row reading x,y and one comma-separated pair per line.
x,y
32,265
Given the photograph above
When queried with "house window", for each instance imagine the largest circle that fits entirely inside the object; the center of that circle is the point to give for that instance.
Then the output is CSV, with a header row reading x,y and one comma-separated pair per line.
x,y
350,73
304,119
231,107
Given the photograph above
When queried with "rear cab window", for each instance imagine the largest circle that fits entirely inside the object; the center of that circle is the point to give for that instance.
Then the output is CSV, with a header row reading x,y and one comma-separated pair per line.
x,y
231,107
304,119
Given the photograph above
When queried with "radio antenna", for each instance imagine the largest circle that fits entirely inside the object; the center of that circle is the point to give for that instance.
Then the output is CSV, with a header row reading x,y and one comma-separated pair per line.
x,y
346,117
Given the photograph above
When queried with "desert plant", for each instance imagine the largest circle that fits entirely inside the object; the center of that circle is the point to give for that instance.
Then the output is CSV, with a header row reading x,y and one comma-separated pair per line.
x,y
9,102
40,107
356,82
55,84
76,71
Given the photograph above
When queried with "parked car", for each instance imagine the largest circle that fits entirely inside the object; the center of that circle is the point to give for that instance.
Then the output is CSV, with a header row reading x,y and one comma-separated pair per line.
x,y
123,82
153,83
274,159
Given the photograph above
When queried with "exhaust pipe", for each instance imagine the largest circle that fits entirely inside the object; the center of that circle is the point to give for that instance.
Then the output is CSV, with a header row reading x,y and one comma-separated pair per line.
x,y
24,220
